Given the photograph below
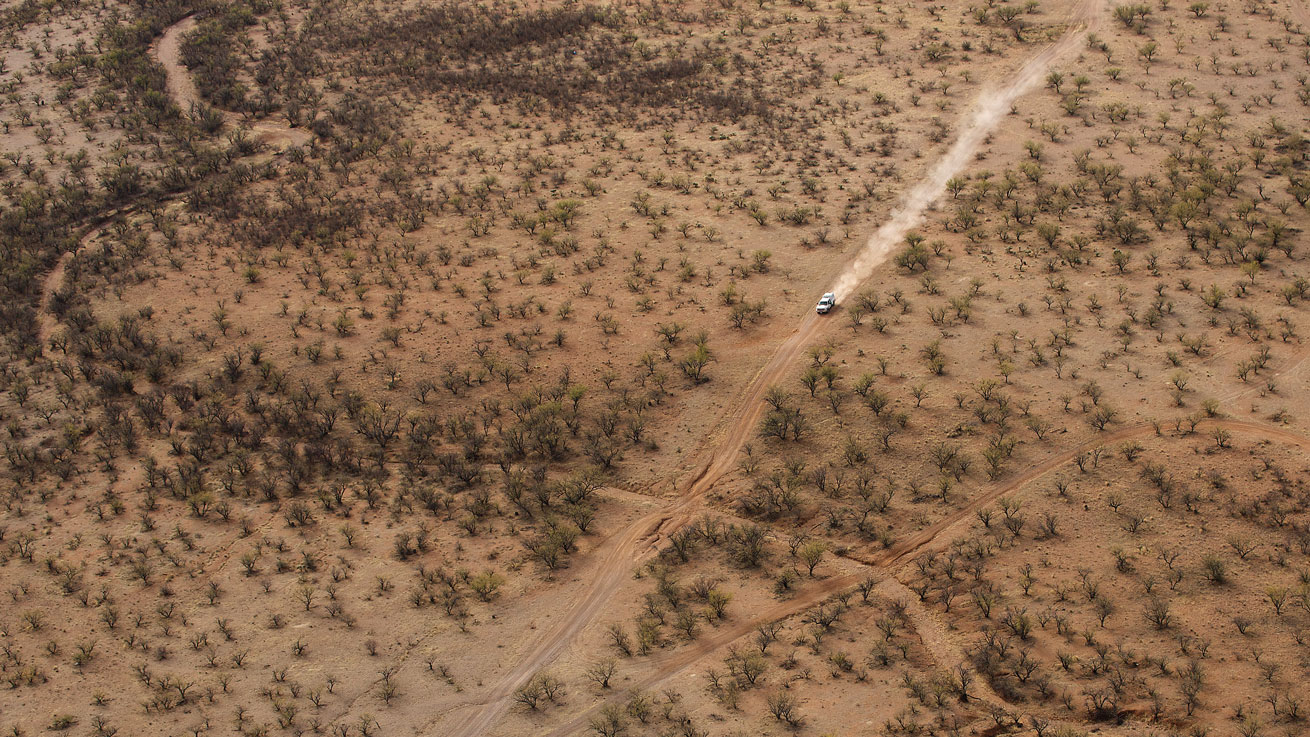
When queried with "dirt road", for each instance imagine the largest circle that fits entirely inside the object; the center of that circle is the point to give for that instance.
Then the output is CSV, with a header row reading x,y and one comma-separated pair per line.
x,y
641,540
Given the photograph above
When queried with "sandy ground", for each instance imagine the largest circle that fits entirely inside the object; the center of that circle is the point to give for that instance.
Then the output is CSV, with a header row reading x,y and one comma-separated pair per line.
x,y
558,625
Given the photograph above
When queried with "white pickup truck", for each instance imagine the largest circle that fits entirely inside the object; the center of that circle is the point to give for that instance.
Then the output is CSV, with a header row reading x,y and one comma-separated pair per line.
x,y
826,303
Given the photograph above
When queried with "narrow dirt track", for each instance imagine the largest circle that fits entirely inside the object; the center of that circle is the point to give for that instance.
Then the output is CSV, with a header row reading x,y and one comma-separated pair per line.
x,y
641,540
168,52
934,535
987,112
46,321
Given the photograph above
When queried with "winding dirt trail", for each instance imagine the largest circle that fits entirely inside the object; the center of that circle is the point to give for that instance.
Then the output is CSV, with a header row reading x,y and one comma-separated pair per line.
x,y
641,540
47,323
46,320
168,52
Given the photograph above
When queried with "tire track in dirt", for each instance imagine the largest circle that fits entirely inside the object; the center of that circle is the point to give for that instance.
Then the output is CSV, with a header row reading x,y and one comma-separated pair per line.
x,y
641,540
948,656
927,538
935,637
167,51
1291,370
664,667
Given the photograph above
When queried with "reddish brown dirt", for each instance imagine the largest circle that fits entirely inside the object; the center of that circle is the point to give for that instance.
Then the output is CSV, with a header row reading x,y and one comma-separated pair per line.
x,y
642,539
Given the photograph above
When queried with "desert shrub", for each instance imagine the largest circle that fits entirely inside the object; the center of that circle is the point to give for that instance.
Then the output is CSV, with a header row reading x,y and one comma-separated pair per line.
x,y
209,51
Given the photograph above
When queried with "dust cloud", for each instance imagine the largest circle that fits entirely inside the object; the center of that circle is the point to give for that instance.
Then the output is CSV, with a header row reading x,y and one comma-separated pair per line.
x,y
988,110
